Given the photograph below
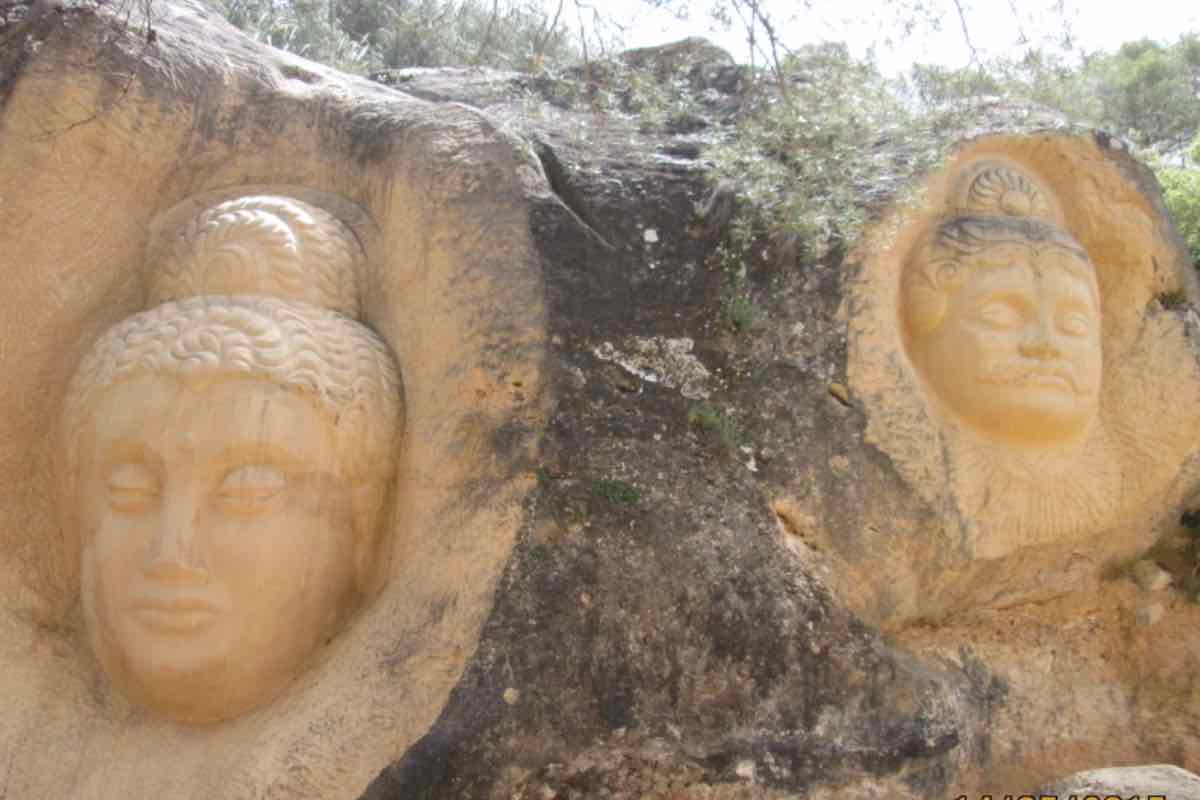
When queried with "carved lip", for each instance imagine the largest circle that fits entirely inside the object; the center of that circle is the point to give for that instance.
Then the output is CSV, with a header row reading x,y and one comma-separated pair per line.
x,y
1045,378
1050,379
181,614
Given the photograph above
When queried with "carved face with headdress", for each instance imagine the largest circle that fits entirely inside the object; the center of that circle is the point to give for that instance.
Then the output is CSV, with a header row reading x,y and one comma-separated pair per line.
x,y
1002,313
228,454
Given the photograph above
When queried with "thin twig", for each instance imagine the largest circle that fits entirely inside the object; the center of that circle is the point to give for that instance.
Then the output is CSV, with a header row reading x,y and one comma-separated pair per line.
x,y
487,34
583,39
962,20
541,46
1021,37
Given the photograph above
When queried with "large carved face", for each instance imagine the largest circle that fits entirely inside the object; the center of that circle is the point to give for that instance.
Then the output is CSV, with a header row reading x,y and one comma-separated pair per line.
x,y
227,460
218,539
1015,349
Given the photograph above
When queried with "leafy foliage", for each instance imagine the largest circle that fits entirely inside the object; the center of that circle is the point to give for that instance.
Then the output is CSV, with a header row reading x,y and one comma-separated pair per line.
x,y
809,157
366,35
1181,191
820,133
616,491
1148,91
718,425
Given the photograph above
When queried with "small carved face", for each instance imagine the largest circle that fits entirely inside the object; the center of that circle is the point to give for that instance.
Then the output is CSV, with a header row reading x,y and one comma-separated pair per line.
x,y
218,539
1017,352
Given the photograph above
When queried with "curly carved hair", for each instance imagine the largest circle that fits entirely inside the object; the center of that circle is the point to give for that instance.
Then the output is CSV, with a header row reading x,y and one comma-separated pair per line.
x,y
268,245
339,362
937,266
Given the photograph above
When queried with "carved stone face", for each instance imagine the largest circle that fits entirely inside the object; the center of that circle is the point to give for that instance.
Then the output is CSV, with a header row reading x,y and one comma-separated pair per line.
x,y
218,539
1017,352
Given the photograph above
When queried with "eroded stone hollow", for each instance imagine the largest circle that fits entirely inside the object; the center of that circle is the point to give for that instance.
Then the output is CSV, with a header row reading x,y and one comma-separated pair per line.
x,y
1008,342
267,364
228,454
340,458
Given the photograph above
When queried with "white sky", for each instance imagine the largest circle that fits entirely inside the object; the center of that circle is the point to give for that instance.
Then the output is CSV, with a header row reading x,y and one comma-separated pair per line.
x,y
994,28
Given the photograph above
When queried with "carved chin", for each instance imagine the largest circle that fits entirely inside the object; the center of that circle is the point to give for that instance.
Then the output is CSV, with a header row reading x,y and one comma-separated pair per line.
x,y
179,667
1031,414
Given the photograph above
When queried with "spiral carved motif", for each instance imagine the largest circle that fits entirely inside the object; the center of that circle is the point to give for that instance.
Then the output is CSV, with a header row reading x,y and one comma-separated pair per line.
x,y
1000,190
265,245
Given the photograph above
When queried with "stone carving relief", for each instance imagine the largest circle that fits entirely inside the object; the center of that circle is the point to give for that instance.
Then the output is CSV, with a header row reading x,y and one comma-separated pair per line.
x,y
1002,315
274,379
268,415
1005,342
228,454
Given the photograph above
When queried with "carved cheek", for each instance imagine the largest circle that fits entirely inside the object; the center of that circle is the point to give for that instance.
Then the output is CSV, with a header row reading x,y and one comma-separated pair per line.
x,y
1091,366
985,348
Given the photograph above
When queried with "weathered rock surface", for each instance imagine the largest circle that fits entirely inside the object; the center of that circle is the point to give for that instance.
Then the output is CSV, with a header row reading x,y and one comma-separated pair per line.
x,y
1160,779
727,582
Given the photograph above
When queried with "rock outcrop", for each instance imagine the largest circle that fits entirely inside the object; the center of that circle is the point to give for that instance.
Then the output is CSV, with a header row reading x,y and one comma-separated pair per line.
x,y
1160,779
641,550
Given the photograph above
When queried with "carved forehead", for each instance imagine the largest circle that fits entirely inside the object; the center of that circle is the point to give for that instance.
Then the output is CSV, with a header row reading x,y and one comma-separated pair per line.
x,y
973,234
975,243
210,417
339,363
333,357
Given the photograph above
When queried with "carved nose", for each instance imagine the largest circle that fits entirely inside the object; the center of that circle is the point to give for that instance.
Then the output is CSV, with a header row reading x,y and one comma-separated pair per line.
x,y
172,554
1039,342
1041,348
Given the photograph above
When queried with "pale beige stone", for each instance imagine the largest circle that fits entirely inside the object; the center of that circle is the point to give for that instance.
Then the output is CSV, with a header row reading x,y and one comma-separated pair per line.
x,y
1163,780
1014,367
231,575
1150,614
1150,577
1003,315
228,455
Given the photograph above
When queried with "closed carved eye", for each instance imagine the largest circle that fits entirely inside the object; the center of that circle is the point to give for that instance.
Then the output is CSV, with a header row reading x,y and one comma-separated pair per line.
x,y
1075,323
249,487
1000,314
132,487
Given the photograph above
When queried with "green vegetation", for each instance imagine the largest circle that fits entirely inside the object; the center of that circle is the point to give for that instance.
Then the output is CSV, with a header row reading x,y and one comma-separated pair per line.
x,y
820,134
739,313
717,425
1147,90
1191,583
808,160
1176,298
1181,192
369,35
616,491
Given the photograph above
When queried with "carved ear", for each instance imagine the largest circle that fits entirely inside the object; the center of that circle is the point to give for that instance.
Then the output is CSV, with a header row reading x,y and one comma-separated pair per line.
x,y
925,295
370,520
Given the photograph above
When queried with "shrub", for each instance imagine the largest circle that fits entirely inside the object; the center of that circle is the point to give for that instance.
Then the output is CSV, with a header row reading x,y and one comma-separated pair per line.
x,y
811,154
719,426
1181,192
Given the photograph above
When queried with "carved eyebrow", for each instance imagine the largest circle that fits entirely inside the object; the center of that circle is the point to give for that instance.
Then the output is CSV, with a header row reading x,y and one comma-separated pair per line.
x,y
1078,263
127,451
261,452
1078,268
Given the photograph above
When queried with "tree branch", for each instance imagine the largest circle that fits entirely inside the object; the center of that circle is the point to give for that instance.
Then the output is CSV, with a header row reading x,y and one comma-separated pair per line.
x,y
962,20
540,51
487,34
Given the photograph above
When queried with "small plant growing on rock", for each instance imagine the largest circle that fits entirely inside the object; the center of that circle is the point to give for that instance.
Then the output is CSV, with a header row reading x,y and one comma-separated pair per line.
x,y
616,491
739,313
716,424
818,145
1191,522
1174,299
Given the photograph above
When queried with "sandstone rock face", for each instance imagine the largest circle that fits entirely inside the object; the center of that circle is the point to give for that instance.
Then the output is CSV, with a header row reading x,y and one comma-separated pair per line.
x,y
1159,779
269,423
631,549
1005,335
